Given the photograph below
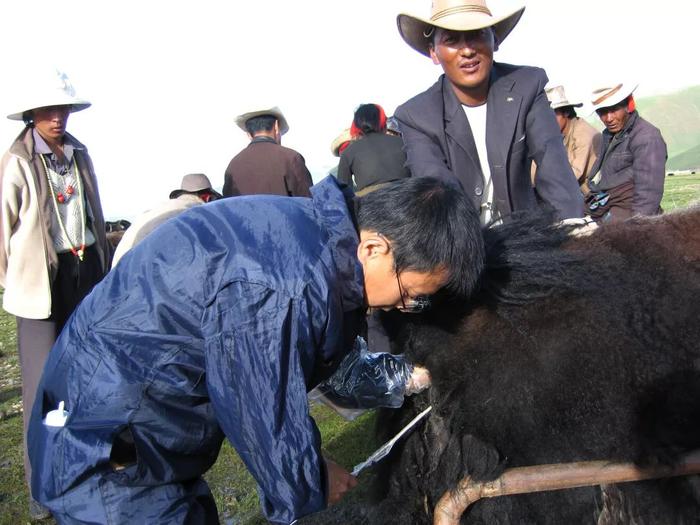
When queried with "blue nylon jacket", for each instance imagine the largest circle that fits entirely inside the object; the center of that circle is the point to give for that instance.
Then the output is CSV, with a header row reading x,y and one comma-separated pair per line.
x,y
219,321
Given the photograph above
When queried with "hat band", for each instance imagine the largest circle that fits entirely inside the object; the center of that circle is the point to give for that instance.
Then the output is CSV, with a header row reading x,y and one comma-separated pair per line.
x,y
461,9
607,95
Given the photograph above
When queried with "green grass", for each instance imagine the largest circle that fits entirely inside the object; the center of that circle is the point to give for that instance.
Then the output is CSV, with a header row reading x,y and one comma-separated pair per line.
x,y
233,487
681,191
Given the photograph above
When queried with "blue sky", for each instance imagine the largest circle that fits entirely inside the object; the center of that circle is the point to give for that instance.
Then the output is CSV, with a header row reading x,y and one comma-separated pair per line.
x,y
166,79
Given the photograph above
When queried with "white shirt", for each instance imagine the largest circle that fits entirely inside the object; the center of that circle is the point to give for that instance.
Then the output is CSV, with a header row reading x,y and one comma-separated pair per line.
x,y
476,115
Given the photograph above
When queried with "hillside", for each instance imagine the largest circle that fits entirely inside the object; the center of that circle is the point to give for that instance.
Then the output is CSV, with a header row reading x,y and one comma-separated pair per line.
x,y
677,115
689,159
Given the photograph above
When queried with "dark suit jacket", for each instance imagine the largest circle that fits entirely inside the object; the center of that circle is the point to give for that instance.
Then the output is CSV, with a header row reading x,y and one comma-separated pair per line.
x,y
520,128
265,167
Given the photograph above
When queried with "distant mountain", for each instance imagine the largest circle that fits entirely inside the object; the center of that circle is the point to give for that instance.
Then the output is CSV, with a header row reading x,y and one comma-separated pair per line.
x,y
677,115
689,159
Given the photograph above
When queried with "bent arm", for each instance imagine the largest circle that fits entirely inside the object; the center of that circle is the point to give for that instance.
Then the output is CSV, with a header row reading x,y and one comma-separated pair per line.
x,y
258,391
649,169
299,178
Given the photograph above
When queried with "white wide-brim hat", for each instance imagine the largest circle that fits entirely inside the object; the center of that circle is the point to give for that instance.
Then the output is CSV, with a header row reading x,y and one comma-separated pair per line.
x,y
455,15
558,99
272,111
611,94
341,139
54,89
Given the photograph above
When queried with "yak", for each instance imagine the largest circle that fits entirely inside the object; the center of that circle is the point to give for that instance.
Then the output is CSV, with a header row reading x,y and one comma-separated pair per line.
x,y
572,348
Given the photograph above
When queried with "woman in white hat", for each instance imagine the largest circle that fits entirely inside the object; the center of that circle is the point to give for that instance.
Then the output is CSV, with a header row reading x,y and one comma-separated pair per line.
x,y
53,247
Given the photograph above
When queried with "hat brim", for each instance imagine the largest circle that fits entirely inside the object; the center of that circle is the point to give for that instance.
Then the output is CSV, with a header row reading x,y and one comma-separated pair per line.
x,y
275,112
566,105
176,193
75,106
621,94
413,29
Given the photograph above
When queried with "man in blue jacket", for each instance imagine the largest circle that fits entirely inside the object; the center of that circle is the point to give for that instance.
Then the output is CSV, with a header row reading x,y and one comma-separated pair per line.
x,y
218,324
483,123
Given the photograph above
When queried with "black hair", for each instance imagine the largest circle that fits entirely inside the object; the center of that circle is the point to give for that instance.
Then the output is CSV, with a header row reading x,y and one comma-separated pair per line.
x,y
567,111
431,225
260,123
28,118
368,120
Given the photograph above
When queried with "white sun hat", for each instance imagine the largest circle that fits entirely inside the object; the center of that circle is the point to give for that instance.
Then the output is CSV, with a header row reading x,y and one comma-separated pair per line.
x,y
455,15
558,99
50,88
611,94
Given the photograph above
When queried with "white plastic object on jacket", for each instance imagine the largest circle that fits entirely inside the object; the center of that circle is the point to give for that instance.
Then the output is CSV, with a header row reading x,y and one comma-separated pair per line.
x,y
57,418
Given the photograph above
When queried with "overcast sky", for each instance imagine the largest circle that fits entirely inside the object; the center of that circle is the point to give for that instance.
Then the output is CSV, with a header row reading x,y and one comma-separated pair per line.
x,y
166,79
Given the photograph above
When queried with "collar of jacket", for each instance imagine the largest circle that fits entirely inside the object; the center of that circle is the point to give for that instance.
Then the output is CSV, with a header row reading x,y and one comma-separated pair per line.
x,y
262,138
333,203
625,130
23,146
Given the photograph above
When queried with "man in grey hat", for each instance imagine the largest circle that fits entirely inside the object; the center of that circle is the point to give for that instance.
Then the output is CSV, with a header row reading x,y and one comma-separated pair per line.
x,y
194,190
483,123
265,166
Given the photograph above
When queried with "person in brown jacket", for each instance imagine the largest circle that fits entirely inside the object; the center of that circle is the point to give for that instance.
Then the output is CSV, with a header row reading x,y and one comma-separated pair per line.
x,y
581,140
265,166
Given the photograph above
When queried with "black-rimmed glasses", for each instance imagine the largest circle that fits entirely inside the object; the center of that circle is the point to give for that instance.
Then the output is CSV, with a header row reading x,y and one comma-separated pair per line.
x,y
415,305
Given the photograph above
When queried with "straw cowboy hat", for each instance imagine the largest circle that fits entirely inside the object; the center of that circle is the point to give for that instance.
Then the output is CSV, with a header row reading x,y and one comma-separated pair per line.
x,y
272,111
194,183
51,88
611,94
456,15
557,98
339,141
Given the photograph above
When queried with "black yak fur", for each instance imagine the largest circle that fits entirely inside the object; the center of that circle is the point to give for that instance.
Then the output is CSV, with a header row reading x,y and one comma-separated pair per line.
x,y
573,349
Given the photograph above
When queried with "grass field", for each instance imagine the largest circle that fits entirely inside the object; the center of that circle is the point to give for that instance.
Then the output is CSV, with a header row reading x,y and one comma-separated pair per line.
x,y
233,487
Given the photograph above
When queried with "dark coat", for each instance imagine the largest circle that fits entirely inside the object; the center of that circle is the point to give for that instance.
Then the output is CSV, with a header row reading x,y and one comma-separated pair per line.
x,y
520,128
265,167
635,156
216,323
373,159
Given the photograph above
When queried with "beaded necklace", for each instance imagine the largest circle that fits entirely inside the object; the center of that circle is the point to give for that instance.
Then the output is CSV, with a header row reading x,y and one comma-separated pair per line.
x,y
79,252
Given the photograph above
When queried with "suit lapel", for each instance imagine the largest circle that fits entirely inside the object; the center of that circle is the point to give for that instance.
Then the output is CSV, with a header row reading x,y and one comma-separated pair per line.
x,y
502,111
501,117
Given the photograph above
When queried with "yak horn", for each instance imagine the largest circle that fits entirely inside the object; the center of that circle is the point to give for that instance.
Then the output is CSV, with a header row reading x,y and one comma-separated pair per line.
x,y
540,478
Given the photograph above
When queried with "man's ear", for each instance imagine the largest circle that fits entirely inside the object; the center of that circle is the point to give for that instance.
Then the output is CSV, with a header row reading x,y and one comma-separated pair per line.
x,y
433,55
371,246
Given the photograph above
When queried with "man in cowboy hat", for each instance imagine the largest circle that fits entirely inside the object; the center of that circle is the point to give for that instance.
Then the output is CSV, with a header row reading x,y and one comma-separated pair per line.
x,y
483,122
581,140
265,166
53,246
194,190
628,177
338,145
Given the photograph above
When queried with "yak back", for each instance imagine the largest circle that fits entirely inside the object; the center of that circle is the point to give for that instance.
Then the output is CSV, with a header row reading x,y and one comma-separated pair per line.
x,y
575,348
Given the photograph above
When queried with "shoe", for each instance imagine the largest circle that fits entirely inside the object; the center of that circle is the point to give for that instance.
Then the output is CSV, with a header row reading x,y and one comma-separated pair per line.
x,y
37,511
